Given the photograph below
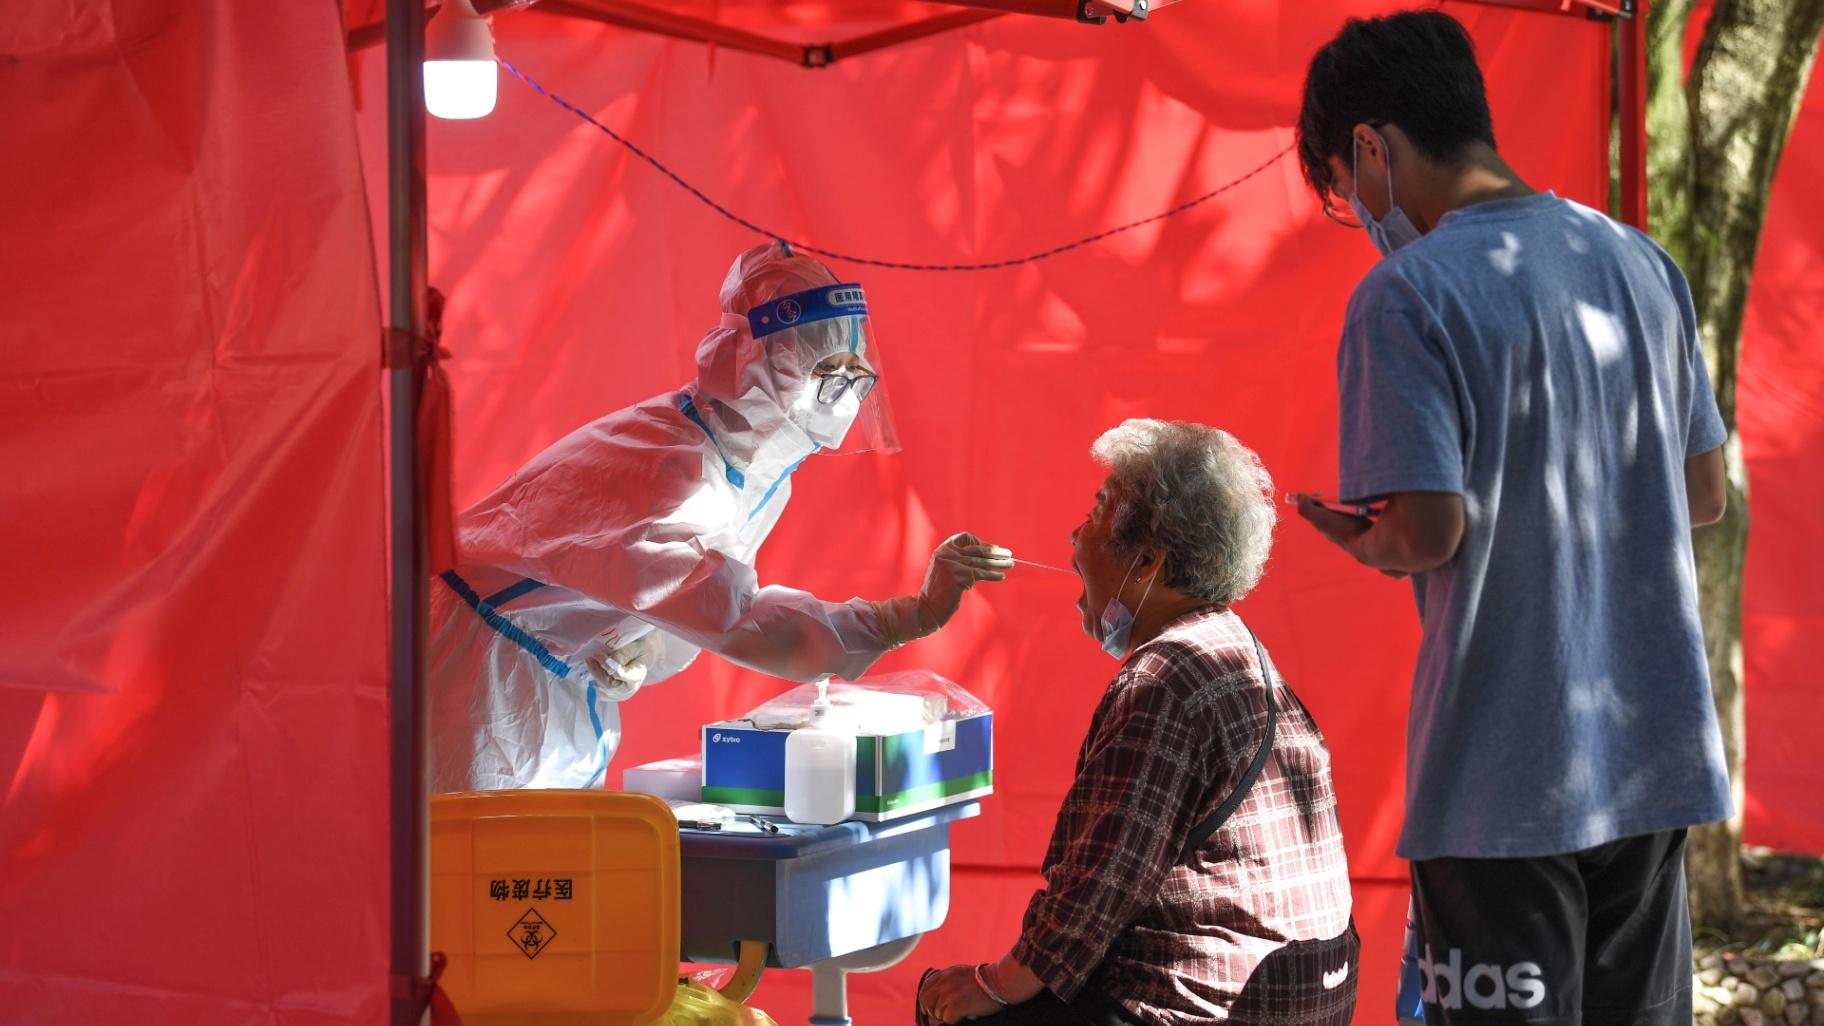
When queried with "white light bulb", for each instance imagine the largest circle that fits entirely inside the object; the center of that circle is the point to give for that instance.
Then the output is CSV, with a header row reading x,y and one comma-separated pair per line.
x,y
459,89
459,70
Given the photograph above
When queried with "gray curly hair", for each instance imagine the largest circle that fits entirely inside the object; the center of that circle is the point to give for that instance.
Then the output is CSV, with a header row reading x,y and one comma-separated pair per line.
x,y
1198,495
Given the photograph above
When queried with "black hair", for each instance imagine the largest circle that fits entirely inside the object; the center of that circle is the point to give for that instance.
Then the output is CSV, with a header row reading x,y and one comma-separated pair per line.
x,y
1414,69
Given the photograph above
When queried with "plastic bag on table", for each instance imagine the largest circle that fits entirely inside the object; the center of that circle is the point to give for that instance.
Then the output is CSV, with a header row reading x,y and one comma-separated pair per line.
x,y
891,703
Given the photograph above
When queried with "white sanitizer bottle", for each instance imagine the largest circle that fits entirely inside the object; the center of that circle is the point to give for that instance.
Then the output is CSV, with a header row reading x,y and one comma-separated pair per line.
x,y
819,768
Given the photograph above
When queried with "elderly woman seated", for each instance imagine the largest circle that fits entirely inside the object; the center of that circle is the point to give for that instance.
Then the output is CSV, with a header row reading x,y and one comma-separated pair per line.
x,y
1196,871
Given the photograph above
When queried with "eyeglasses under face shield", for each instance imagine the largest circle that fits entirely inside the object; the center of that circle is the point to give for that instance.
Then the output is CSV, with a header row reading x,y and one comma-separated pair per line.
x,y
832,385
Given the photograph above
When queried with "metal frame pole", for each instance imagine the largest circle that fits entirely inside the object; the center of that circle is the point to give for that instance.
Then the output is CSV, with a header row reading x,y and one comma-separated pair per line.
x,y
409,804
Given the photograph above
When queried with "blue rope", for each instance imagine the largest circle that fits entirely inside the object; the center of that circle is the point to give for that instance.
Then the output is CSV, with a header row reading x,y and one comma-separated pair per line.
x,y
897,265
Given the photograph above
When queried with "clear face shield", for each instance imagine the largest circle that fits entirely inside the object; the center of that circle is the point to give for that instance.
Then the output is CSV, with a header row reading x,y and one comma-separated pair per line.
x,y
842,401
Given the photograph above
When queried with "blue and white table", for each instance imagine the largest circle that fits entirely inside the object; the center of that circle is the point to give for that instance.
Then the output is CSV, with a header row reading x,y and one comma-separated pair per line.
x,y
853,897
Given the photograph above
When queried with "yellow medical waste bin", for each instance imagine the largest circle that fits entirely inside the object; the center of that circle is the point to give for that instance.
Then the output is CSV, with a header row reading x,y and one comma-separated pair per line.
x,y
555,907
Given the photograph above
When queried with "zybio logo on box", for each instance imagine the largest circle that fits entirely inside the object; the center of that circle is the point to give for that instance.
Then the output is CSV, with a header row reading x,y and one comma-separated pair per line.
x,y
717,739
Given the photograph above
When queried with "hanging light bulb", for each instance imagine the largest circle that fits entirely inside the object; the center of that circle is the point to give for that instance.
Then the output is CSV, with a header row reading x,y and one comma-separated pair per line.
x,y
459,71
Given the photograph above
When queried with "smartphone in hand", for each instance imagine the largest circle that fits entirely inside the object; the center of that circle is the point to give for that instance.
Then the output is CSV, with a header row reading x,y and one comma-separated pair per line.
x,y
1349,509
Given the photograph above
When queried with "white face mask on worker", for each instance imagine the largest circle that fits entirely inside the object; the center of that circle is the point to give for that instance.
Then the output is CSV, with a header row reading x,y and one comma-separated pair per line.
x,y
827,424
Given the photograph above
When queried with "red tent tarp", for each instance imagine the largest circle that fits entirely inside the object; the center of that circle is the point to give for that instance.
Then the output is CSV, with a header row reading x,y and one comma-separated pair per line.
x,y
193,723
193,635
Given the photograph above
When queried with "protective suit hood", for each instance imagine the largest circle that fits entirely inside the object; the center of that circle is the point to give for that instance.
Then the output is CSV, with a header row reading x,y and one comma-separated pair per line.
x,y
782,314
753,382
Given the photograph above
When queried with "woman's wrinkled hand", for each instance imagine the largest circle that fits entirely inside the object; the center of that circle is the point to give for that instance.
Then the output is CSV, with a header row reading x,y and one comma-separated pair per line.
x,y
951,996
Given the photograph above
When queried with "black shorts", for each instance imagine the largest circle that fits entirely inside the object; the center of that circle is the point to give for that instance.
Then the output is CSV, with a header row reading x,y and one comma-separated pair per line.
x,y
1598,936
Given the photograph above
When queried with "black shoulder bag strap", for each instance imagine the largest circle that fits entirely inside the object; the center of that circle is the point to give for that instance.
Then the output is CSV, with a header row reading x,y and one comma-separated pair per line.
x,y
1202,831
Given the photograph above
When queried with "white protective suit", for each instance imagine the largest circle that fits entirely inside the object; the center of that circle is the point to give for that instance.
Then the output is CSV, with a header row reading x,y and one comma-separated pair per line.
x,y
637,534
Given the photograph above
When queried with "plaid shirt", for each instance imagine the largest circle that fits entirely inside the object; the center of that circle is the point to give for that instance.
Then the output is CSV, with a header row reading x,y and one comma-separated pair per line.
x,y
1176,940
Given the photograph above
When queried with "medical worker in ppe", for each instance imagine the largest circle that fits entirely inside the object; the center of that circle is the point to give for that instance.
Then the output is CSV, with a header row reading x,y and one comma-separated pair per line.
x,y
616,555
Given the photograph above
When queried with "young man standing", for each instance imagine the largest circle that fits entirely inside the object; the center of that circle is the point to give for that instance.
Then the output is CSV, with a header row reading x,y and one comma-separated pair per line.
x,y
1521,385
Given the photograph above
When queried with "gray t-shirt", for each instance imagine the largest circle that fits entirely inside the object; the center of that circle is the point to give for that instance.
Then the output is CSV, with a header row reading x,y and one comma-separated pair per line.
x,y
1542,361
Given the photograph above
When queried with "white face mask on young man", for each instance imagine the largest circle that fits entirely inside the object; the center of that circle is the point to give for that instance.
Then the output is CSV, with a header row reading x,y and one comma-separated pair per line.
x,y
1390,232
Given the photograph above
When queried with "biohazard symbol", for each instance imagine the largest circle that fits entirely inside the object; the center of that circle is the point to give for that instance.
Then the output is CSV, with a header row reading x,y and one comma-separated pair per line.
x,y
531,934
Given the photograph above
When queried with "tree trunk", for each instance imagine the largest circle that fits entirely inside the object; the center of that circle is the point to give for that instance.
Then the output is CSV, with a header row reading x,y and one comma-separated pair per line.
x,y
1713,863
1715,139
